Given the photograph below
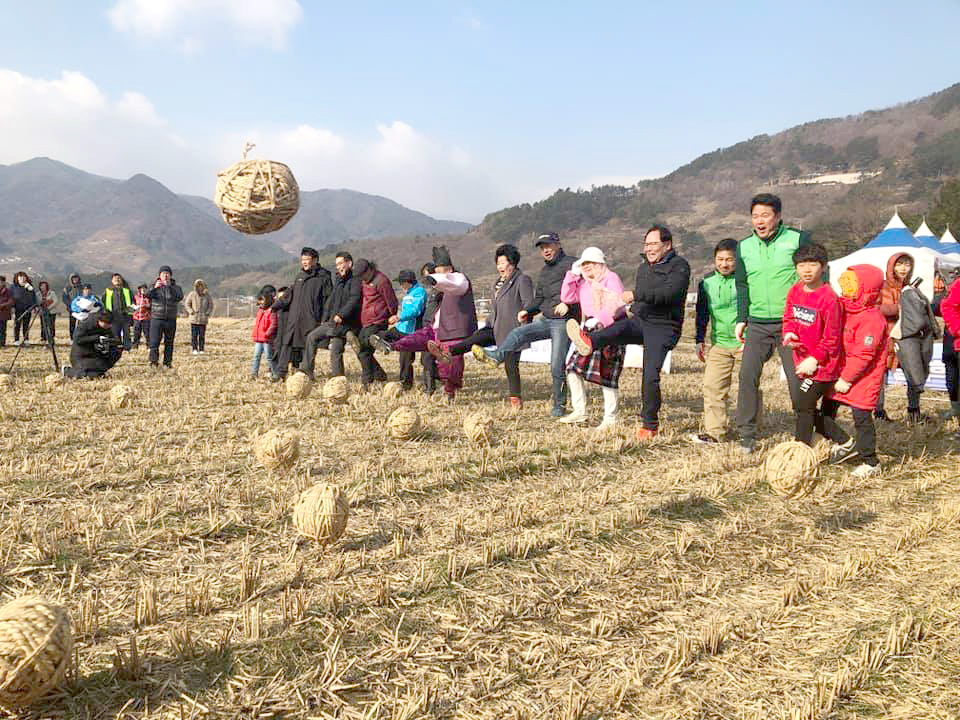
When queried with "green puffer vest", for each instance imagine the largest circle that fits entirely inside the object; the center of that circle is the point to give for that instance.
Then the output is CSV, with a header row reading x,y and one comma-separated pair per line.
x,y
722,305
767,266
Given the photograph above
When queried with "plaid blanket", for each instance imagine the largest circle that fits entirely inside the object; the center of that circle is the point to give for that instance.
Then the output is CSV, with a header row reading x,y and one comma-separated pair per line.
x,y
602,367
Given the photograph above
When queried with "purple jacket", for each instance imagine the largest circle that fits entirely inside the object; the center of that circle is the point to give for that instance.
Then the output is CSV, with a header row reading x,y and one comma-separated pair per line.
x,y
457,315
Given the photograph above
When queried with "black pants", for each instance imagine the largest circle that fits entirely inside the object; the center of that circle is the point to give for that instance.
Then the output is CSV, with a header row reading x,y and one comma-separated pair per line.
x,y
198,336
121,329
810,392
21,326
370,369
93,367
428,378
511,360
141,326
866,443
657,341
165,329
3,333
73,323
950,366
761,340
330,334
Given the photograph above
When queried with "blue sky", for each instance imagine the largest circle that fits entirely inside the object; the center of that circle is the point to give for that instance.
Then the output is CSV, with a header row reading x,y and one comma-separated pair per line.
x,y
452,108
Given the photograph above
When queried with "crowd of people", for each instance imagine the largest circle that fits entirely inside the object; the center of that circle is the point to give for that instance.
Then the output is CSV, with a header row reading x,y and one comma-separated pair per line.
x,y
767,293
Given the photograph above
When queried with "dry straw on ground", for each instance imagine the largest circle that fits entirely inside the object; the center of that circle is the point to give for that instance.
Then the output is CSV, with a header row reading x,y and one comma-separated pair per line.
x,y
321,513
404,423
392,390
792,469
298,385
257,196
478,427
36,644
52,381
277,448
336,389
122,396
6,381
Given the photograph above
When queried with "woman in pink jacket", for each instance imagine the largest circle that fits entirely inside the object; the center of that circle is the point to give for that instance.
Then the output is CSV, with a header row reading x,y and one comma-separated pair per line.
x,y
599,292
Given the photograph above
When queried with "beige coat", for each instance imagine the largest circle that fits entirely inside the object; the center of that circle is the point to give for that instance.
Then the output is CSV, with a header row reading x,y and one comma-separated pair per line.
x,y
199,307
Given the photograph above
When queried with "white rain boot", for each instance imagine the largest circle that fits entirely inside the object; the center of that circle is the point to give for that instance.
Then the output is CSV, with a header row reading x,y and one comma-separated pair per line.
x,y
578,400
611,401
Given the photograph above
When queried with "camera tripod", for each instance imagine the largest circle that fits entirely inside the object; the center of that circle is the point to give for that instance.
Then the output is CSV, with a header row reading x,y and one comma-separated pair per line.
x,y
46,330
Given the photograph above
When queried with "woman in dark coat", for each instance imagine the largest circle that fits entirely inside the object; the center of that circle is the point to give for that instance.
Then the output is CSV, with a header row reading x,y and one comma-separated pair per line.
x,y
512,292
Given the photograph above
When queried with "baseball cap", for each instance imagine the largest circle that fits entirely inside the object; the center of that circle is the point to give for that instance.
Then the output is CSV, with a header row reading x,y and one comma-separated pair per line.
x,y
547,238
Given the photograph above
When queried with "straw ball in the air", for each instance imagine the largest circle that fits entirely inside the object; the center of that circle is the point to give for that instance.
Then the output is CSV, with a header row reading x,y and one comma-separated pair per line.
x,y
257,196
6,381
277,448
298,385
792,469
478,427
404,423
321,513
336,390
122,396
51,381
392,390
36,643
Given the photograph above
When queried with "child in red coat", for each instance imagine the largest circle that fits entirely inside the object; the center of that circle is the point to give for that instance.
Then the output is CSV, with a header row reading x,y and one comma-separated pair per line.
x,y
862,371
264,328
812,327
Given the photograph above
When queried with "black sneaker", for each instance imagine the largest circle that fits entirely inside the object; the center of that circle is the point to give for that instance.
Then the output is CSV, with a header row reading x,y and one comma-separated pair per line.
x,y
882,415
703,438
380,344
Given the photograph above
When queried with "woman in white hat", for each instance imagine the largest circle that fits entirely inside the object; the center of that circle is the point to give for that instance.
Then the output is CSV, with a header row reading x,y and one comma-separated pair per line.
x,y
599,292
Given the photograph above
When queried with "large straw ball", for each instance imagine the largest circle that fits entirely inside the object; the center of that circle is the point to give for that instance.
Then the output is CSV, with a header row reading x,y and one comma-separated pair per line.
x,y
35,648
298,385
792,469
336,389
6,381
404,423
122,396
392,390
321,513
257,196
52,381
478,427
277,448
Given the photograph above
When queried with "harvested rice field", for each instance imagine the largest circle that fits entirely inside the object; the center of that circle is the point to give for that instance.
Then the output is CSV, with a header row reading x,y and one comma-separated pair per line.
x,y
555,573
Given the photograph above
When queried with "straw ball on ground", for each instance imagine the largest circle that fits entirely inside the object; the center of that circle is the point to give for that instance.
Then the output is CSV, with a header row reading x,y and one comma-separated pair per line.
x,y
277,448
478,427
336,389
298,385
122,396
321,513
51,381
36,643
392,390
792,469
6,381
257,196
404,423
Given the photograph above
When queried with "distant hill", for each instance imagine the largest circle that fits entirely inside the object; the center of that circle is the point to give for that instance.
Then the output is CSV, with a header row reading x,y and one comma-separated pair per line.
x,y
336,217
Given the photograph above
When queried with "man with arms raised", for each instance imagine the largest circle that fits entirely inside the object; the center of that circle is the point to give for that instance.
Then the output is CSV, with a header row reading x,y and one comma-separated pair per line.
x,y
764,275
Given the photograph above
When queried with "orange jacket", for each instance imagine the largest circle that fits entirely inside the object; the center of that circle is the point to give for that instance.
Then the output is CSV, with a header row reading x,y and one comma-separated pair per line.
x,y
890,301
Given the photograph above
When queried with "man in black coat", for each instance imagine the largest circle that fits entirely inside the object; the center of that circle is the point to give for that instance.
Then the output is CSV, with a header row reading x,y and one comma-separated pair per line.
x,y
654,319
95,349
305,304
340,320
165,300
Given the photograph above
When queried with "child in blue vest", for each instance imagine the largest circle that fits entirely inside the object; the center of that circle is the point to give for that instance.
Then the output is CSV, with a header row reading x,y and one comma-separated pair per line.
x,y
717,306
408,318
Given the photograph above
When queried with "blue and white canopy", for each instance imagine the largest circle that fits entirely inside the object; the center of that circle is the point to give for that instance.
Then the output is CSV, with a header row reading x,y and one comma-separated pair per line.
x,y
948,243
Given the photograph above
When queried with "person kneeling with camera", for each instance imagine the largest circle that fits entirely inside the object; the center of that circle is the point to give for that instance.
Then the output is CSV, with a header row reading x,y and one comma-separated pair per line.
x,y
95,349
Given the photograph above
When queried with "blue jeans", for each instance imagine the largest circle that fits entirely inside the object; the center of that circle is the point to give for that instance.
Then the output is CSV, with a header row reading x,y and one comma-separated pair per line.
x,y
259,348
541,328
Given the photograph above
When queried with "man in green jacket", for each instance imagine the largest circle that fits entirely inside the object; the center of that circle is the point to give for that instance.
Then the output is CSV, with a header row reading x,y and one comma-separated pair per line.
x,y
764,274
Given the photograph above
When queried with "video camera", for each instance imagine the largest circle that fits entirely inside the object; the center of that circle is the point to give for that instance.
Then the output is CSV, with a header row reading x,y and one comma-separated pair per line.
x,y
105,342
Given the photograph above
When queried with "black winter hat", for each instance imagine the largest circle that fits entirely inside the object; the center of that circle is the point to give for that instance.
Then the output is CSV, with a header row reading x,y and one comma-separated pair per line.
x,y
165,268
309,251
441,256
407,276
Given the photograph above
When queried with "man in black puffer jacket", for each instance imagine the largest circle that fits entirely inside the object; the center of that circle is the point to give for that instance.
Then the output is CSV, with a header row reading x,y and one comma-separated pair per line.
x,y
654,321
165,299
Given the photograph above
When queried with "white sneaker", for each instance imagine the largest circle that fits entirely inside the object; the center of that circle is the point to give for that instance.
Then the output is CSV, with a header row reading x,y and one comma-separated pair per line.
x,y
194,352
863,471
574,417
201,352
840,453
608,423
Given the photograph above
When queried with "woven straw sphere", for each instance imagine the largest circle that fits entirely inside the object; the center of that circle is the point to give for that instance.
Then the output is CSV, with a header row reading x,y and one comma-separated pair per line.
x,y
404,423
277,448
321,513
257,196
792,469
122,396
392,390
478,427
298,385
51,381
6,381
336,389
35,648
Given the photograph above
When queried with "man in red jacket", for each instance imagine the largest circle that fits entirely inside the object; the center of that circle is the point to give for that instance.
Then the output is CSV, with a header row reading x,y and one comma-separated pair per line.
x,y
862,371
377,305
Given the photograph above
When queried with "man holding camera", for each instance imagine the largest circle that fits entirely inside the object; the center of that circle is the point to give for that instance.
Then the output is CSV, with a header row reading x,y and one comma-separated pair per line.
x,y
165,299
95,349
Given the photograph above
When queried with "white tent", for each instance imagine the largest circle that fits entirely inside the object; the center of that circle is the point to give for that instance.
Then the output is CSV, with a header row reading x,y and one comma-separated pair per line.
x,y
948,243
895,237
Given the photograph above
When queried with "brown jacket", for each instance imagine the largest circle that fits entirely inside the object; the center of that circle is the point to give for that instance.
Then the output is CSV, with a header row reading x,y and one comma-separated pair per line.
x,y
890,301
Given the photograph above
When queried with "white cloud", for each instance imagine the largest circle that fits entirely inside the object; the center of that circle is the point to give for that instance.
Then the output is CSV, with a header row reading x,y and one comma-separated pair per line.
x,y
191,24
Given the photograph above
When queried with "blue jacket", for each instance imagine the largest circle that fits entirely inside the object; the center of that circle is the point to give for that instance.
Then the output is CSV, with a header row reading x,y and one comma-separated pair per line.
x,y
411,309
